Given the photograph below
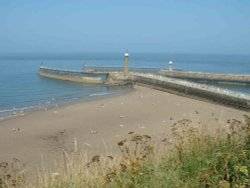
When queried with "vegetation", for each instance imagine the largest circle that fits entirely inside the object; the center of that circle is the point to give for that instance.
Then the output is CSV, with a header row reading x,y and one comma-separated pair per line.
x,y
189,157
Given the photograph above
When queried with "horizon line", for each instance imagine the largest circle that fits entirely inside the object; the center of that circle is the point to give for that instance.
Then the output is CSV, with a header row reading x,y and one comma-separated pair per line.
x,y
116,52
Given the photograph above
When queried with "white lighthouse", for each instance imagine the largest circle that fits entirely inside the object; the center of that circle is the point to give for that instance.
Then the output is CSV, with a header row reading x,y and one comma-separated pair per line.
x,y
126,55
170,66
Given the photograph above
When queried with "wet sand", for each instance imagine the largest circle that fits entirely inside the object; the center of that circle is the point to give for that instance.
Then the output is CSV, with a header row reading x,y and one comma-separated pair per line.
x,y
98,125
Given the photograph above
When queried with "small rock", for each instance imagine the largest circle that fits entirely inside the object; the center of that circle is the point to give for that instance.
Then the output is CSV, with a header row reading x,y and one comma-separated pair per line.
x,y
121,125
170,141
16,129
87,144
122,116
141,127
93,132
62,131
54,174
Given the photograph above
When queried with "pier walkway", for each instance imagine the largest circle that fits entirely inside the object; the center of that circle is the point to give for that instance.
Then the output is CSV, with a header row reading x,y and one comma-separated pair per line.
x,y
194,90
208,77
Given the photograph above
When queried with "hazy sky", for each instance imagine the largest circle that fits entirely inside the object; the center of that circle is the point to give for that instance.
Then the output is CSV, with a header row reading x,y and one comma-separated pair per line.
x,y
175,26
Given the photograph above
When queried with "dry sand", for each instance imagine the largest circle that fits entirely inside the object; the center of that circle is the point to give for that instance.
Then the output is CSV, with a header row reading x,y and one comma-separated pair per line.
x,y
98,125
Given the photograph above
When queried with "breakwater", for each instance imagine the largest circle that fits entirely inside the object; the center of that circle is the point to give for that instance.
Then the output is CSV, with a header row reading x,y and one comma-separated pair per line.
x,y
195,90
161,82
74,76
198,76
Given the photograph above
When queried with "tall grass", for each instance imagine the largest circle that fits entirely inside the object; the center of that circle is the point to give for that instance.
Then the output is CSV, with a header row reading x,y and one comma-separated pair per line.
x,y
189,157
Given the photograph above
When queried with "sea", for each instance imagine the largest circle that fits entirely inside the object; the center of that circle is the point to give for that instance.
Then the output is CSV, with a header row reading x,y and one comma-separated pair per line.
x,y
22,89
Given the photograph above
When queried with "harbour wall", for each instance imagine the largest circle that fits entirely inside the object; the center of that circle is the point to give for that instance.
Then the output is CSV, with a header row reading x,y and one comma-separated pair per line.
x,y
165,83
228,78
78,79
194,90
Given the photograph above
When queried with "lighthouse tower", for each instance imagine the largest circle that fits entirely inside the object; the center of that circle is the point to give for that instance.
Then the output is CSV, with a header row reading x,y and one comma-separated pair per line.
x,y
170,66
126,55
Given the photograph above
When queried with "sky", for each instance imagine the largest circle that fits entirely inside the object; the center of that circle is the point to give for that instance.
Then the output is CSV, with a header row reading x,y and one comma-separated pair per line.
x,y
168,26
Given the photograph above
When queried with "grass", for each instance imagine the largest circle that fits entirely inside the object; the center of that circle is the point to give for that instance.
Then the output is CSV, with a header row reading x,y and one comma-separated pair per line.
x,y
190,157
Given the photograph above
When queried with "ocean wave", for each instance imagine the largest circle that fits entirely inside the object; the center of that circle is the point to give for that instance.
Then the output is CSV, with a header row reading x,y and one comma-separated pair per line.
x,y
21,109
101,94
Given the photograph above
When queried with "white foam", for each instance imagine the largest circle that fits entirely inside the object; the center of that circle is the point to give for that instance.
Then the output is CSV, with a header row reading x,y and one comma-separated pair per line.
x,y
100,94
15,110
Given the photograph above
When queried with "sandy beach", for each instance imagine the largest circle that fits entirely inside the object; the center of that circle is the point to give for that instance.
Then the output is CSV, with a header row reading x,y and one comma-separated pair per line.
x,y
98,125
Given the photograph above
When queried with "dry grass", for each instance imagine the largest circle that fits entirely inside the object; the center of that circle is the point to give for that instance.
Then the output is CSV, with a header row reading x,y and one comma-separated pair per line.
x,y
189,157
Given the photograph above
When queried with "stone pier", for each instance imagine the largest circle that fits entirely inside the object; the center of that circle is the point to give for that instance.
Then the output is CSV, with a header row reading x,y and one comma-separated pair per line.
x,y
194,90
209,77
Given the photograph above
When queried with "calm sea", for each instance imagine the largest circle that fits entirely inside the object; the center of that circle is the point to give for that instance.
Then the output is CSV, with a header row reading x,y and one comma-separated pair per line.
x,y
22,89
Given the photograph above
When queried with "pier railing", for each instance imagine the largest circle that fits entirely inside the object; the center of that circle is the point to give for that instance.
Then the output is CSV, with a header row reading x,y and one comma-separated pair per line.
x,y
121,69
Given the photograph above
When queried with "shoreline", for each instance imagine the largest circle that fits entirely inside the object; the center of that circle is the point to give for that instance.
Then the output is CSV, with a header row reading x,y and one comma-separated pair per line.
x,y
20,111
97,125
